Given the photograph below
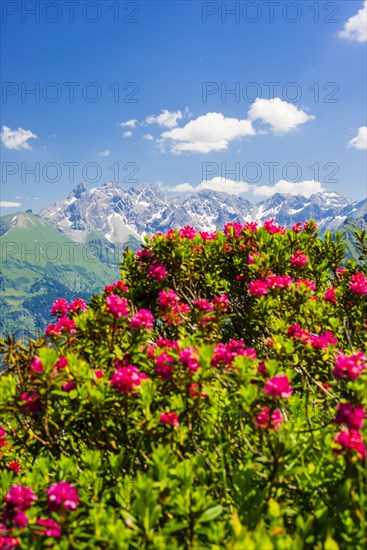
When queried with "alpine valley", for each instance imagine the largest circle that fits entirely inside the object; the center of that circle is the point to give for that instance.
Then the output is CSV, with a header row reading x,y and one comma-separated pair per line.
x,y
73,247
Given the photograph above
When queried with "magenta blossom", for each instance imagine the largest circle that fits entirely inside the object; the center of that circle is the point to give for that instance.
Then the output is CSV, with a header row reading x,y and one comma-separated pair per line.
x,y
142,319
20,497
36,365
257,288
278,386
125,379
68,386
189,358
2,437
351,366
77,305
264,420
157,272
330,295
59,307
350,439
118,307
169,418
62,495
351,416
187,232
358,283
298,259
164,365
52,529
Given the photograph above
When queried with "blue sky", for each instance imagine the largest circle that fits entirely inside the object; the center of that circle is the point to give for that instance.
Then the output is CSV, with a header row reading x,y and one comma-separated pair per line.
x,y
295,122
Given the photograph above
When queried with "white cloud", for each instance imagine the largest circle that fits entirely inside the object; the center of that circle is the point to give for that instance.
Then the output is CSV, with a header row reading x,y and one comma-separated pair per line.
x,y
105,153
356,26
218,184
149,137
9,204
129,123
281,115
17,139
210,132
304,188
166,118
360,141
127,134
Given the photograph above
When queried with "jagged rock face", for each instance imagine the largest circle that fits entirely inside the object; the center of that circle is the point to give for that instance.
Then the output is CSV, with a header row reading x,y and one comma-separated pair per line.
x,y
120,214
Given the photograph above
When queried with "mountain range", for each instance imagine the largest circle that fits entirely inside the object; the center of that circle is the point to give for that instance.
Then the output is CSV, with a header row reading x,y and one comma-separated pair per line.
x,y
73,247
119,215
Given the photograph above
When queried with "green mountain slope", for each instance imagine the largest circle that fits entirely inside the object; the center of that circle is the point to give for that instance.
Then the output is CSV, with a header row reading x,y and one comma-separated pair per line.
x,y
38,265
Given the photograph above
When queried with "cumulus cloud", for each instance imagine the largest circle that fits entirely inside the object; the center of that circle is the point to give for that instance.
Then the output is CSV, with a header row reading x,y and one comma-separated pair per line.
x,y
355,28
281,115
9,204
166,118
219,184
105,153
129,123
305,188
360,141
127,134
149,137
210,132
17,139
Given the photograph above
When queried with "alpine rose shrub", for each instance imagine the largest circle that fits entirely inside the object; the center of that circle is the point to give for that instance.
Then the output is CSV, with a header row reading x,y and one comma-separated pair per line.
x,y
212,397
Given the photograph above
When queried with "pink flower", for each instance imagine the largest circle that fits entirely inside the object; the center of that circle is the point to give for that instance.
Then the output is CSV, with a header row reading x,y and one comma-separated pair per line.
x,y
278,281
143,254
53,529
278,386
157,271
59,307
68,386
297,227
164,365
169,418
125,379
118,307
66,325
20,497
120,285
187,232
351,366
36,365
52,330
232,228
143,318
167,298
358,283
221,302
2,437
273,228
189,358
78,305
330,295
257,288
351,416
62,495
61,363
306,283
32,401
252,226
264,420
299,259
324,340
203,305
98,373
208,236
15,466
350,439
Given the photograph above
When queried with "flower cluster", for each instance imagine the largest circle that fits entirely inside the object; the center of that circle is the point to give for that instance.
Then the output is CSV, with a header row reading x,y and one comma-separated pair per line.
x,y
157,271
358,283
142,319
62,495
61,306
299,259
349,366
117,306
278,386
268,419
125,379
169,418
172,308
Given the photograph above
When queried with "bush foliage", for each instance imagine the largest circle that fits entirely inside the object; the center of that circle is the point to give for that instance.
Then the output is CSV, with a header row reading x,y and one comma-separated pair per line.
x,y
214,397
